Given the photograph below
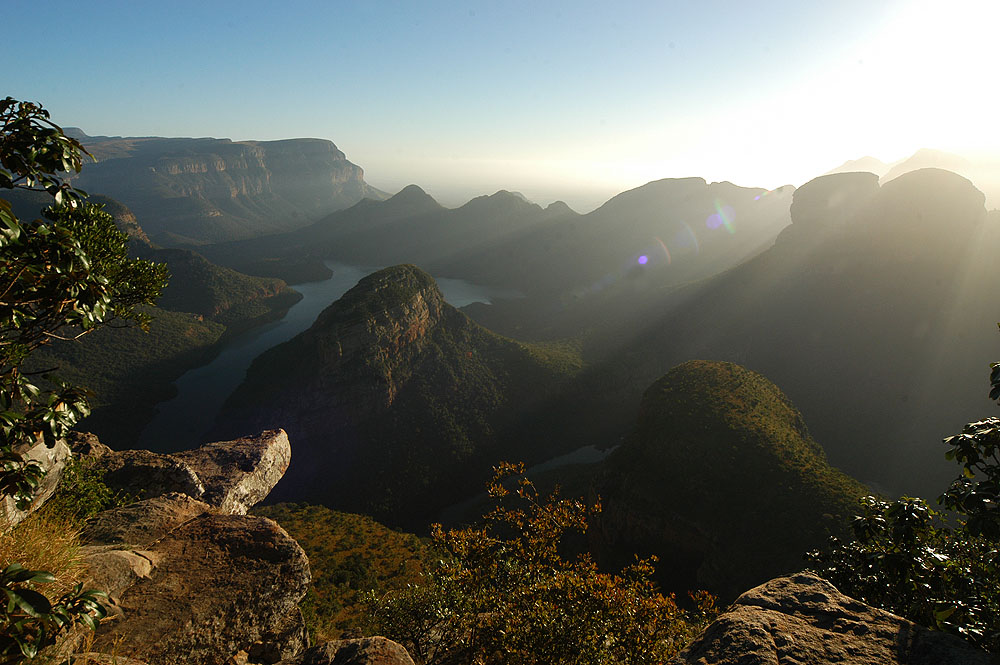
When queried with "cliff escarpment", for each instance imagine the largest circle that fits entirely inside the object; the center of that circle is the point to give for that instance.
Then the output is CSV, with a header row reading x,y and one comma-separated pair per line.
x,y
211,190
398,402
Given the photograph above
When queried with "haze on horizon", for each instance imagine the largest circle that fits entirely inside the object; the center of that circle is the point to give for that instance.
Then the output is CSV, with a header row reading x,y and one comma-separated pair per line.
x,y
570,100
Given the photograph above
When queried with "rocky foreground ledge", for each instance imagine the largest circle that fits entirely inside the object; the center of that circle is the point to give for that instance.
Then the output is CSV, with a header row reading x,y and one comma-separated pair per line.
x,y
805,620
193,580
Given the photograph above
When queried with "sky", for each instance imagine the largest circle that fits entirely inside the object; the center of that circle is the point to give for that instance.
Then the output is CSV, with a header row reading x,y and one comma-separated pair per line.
x,y
558,100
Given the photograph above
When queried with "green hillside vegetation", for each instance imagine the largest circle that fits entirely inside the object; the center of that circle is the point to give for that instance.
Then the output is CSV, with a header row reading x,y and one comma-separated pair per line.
x,y
397,401
221,294
722,480
349,555
128,371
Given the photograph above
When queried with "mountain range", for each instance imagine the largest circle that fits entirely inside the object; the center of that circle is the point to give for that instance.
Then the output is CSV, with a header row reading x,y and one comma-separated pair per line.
x,y
653,326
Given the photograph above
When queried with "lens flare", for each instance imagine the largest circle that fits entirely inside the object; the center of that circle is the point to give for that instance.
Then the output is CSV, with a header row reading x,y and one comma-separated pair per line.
x,y
692,238
643,260
666,252
723,216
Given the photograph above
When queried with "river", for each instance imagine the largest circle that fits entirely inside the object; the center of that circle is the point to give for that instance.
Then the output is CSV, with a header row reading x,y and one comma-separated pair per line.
x,y
182,422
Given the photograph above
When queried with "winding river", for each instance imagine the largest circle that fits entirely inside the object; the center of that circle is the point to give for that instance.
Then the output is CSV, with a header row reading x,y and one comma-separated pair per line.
x,y
182,422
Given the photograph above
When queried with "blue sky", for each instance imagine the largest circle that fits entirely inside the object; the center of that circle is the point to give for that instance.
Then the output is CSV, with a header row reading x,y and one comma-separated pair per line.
x,y
572,100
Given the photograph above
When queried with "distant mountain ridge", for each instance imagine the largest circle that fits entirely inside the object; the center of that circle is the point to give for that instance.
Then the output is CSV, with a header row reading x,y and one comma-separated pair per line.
x,y
198,190
982,171
875,312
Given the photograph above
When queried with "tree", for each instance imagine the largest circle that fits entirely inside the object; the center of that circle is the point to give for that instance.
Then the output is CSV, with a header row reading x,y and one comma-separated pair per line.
x,y
60,277
504,593
939,570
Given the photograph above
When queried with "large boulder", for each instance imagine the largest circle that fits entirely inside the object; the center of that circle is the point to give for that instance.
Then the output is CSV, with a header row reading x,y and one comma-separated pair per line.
x,y
364,651
221,585
803,619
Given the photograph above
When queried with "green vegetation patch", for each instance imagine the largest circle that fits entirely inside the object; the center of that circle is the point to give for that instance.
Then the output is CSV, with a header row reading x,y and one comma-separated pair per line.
x,y
349,556
721,455
128,371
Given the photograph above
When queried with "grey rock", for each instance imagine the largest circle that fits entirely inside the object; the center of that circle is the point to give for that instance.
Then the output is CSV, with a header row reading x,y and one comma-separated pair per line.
x,y
53,460
240,473
805,620
143,522
114,570
364,651
286,638
222,585
230,476
146,474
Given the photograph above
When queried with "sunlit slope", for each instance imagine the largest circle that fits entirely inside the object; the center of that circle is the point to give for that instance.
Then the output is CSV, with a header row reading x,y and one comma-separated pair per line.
x,y
875,311
397,403
722,481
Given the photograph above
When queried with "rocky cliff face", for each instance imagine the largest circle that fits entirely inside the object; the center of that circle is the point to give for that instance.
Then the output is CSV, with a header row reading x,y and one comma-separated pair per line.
x,y
397,401
212,190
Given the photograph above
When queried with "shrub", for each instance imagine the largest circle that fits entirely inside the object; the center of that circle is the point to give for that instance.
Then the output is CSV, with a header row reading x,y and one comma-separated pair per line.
x,y
503,592
942,571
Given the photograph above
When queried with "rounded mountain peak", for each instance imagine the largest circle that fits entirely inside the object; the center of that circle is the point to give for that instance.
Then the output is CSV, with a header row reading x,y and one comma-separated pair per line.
x,y
720,464
832,199
412,195
391,287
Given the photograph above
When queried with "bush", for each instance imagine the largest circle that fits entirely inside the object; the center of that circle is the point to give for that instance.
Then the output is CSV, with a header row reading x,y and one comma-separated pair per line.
x,y
939,572
503,592
31,622
82,494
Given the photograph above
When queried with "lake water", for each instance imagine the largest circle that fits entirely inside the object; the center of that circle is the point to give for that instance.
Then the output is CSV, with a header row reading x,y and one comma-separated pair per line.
x,y
182,422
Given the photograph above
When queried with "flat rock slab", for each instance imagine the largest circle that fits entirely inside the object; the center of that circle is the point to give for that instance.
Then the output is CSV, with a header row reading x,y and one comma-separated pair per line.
x,y
221,585
365,651
805,620
143,522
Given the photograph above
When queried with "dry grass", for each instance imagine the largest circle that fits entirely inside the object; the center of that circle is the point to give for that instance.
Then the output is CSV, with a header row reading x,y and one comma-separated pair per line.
x,y
45,542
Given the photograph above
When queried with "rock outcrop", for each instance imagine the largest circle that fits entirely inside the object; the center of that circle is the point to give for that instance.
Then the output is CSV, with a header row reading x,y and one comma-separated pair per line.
x,y
192,578
230,476
805,620
219,585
